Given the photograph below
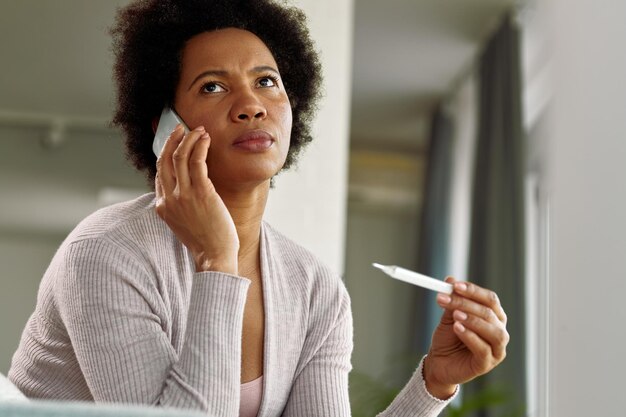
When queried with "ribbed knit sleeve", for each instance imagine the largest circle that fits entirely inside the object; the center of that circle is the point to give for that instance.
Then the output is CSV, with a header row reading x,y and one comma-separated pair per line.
x,y
121,344
415,401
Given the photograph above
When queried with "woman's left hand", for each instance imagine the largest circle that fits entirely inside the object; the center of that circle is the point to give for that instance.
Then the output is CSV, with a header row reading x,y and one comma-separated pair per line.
x,y
469,341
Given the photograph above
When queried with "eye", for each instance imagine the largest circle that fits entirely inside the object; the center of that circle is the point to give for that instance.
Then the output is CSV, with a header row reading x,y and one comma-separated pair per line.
x,y
212,87
268,81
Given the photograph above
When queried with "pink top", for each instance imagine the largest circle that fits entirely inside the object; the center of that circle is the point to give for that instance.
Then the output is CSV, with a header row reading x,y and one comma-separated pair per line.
x,y
251,395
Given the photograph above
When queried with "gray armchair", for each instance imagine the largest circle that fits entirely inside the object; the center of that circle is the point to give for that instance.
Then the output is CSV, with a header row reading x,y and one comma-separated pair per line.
x,y
14,404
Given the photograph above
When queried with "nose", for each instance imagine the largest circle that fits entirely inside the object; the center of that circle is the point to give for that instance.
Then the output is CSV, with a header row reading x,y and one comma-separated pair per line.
x,y
247,108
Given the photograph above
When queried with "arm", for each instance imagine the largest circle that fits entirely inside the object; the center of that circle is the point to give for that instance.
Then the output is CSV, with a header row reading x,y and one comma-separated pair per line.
x,y
123,351
120,343
416,399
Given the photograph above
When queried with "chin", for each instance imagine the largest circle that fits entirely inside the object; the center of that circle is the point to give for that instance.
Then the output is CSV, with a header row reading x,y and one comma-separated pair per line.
x,y
250,174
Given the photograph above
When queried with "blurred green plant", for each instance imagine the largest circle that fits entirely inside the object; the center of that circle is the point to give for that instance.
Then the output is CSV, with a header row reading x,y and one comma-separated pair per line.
x,y
369,396
497,399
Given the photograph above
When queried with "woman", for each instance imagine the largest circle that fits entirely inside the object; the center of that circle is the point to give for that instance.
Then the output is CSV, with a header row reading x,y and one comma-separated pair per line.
x,y
186,298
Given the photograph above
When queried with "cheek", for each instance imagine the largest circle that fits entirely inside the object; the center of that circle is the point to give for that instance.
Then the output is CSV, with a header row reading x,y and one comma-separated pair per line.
x,y
206,117
286,120
286,124
214,126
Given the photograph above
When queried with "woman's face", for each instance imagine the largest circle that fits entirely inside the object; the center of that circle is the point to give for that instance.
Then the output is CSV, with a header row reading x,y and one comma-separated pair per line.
x,y
230,84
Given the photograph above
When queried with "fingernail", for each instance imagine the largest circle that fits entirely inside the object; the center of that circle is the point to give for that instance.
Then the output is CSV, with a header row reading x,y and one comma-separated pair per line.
x,y
459,315
459,327
444,298
204,136
179,127
199,129
461,286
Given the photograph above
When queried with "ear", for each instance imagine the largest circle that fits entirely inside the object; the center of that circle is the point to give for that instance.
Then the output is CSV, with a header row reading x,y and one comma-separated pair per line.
x,y
155,124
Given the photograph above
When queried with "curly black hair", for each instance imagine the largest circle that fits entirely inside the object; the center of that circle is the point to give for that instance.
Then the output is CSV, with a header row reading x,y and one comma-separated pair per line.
x,y
148,39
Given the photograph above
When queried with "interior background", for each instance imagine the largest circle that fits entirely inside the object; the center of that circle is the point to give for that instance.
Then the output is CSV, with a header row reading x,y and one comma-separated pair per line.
x,y
358,188
388,62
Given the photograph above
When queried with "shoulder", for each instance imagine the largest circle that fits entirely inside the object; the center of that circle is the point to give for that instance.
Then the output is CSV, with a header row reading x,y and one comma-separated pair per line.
x,y
115,248
116,218
123,235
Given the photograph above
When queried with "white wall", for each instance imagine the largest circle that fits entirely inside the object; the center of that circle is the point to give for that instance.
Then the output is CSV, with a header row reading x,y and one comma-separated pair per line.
x,y
587,164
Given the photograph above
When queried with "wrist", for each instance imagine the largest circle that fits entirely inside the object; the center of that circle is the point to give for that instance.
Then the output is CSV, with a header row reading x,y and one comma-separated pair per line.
x,y
228,265
437,389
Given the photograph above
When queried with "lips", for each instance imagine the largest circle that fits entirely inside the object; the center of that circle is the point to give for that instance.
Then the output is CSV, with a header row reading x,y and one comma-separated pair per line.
x,y
254,141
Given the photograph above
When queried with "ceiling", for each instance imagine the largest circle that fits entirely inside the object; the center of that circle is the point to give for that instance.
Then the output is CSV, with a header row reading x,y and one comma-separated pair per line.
x,y
408,54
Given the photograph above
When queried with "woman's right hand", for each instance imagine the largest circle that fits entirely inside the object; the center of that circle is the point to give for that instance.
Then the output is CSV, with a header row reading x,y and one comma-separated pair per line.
x,y
188,202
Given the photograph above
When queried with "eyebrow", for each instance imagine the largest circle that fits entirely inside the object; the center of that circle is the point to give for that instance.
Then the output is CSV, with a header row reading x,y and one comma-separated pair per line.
x,y
223,73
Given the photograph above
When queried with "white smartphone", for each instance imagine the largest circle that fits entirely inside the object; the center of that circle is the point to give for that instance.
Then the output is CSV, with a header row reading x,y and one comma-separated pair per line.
x,y
167,123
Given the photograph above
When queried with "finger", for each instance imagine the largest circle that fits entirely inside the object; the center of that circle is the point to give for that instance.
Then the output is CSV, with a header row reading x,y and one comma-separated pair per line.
x,y
180,157
165,168
443,300
459,302
158,188
198,168
480,349
481,295
495,335
160,200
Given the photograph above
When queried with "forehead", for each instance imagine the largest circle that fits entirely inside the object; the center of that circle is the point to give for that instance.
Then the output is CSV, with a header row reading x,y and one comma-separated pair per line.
x,y
225,48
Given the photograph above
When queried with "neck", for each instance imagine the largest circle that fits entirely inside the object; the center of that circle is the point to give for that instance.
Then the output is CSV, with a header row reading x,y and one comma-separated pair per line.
x,y
246,206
